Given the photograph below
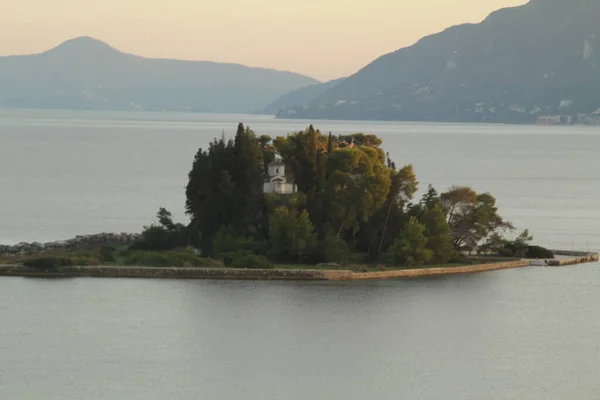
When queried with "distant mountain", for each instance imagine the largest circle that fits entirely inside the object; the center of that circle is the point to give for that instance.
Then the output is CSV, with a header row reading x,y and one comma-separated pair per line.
x,y
300,97
85,73
542,58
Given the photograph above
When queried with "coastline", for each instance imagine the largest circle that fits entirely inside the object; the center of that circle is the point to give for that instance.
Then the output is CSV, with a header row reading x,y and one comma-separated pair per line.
x,y
250,274
267,274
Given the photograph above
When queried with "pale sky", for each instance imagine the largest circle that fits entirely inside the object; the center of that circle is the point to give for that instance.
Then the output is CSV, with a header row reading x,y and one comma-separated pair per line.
x,y
324,39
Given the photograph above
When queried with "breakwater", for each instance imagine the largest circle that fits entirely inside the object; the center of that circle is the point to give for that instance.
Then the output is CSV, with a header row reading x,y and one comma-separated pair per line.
x,y
251,274
566,258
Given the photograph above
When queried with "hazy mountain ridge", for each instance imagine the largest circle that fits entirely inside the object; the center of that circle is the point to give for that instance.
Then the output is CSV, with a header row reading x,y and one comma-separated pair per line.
x,y
85,73
300,97
519,63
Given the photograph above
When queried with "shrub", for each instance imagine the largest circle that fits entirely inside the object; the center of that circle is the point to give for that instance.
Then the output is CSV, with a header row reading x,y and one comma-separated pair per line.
x,y
85,261
538,252
335,250
410,246
506,252
147,259
155,238
106,254
460,259
252,261
166,236
387,258
246,259
229,258
227,240
48,263
185,258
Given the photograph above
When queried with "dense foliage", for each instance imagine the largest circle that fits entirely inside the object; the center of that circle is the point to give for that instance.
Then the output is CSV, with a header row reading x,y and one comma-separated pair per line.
x,y
352,199
520,247
167,235
54,260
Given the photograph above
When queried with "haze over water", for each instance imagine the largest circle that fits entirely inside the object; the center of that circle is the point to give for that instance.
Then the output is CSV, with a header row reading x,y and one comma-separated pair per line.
x,y
509,335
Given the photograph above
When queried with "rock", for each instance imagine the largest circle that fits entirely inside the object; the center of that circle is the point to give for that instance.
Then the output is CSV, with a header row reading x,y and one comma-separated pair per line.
x,y
78,241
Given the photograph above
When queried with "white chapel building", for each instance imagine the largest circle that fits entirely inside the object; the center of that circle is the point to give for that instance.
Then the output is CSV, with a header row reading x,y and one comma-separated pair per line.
x,y
277,182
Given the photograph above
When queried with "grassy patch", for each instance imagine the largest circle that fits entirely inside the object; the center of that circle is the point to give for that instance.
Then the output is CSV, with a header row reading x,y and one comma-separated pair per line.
x,y
110,256
172,258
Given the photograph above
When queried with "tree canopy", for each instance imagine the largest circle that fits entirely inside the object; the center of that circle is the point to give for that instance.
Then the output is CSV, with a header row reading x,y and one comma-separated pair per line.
x,y
351,199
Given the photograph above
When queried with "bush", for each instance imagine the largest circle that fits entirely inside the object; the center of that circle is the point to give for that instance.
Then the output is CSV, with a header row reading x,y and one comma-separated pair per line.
x,y
167,235
460,259
48,263
335,250
227,240
185,258
106,253
387,258
85,261
229,258
538,252
252,261
506,252
155,238
246,259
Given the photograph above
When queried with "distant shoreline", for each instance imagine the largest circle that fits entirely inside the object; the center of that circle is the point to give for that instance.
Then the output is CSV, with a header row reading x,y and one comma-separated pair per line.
x,y
247,115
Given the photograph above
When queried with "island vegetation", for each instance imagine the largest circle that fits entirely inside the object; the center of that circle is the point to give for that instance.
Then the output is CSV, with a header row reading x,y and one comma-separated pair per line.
x,y
354,207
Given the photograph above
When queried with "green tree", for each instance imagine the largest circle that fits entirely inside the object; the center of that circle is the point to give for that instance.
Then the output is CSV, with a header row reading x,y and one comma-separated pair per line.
x,y
472,217
228,240
302,152
378,232
437,232
523,241
166,235
403,187
334,249
360,139
268,151
410,248
519,246
210,193
357,186
225,188
494,244
291,235
431,198
247,174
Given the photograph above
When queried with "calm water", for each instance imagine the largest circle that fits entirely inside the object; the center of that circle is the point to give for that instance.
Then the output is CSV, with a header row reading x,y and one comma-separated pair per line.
x,y
524,334
65,173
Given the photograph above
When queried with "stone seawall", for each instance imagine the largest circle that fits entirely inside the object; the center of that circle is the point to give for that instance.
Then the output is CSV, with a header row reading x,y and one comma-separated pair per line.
x,y
425,272
166,273
251,274
575,257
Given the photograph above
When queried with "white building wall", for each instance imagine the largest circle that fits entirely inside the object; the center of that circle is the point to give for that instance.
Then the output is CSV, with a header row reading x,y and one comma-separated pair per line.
x,y
278,187
276,170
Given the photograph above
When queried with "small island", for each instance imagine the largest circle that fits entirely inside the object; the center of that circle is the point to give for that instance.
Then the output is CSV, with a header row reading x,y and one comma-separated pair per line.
x,y
302,206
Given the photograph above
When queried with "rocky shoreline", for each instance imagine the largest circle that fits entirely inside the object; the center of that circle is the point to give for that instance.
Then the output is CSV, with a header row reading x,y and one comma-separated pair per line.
x,y
78,242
